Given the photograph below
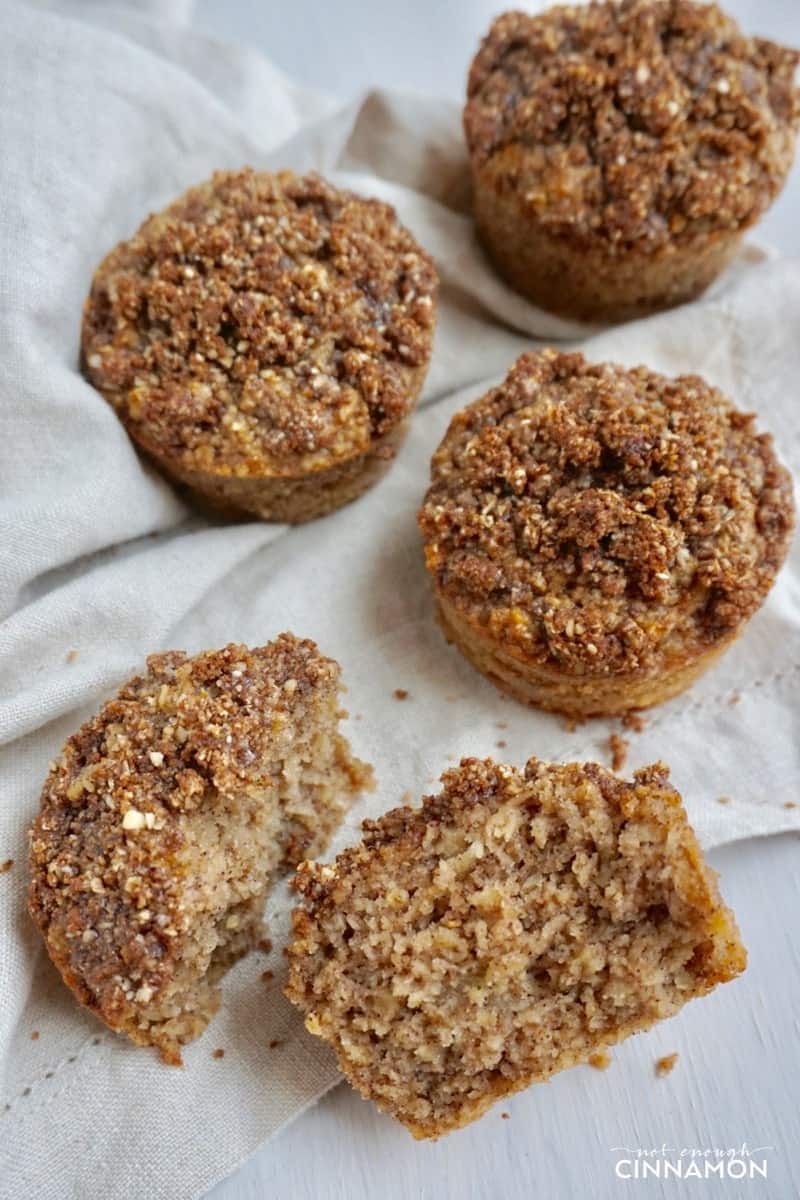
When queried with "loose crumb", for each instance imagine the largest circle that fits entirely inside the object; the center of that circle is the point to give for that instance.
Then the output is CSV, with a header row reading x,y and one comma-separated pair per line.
x,y
6,866
265,945
506,1116
572,723
600,1061
619,751
267,975
502,744
218,1053
666,1064
34,1035
72,656
400,694
275,1043
735,698
723,799
634,721
502,724
790,804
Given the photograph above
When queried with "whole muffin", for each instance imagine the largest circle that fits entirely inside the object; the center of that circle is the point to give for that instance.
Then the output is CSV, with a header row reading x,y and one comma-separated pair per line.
x,y
620,150
264,341
597,536
512,926
168,816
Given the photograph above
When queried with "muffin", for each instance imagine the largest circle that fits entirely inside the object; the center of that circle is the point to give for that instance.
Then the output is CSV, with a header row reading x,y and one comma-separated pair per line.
x,y
264,341
597,536
620,150
168,816
512,926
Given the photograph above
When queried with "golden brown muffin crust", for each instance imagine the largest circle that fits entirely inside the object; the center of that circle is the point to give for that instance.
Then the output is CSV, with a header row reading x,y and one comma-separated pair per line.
x,y
634,123
593,516
262,324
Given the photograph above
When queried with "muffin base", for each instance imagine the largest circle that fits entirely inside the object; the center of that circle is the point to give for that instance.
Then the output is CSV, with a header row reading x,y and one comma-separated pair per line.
x,y
587,284
293,499
571,695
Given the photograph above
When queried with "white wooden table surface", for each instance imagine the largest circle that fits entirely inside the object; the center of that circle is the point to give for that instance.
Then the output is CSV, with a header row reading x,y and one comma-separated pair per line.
x,y
738,1076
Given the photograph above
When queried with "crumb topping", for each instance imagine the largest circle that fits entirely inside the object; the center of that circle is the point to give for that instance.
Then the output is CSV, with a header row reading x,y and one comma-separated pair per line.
x,y
262,324
635,123
603,519
115,879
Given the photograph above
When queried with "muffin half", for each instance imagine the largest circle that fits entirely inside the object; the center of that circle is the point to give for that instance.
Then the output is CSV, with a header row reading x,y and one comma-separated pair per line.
x,y
620,150
168,816
264,341
512,926
597,536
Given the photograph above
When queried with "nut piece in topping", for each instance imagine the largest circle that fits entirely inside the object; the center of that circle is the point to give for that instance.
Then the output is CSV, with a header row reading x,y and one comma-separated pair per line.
x,y
150,867
620,150
264,340
518,923
598,535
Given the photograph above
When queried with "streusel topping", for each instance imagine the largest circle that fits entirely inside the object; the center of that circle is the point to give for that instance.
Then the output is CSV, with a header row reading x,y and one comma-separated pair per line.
x,y
636,122
599,517
262,323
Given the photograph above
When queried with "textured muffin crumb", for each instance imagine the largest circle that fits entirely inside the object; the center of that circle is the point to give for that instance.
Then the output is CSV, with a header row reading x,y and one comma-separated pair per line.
x,y
514,925
167,818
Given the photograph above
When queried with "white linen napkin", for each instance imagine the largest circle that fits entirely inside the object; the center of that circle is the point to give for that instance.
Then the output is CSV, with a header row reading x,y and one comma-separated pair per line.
x,y
105,115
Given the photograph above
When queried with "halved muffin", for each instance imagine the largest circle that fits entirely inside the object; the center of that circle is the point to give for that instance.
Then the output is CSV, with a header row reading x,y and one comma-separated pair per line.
x,y
168,816
514,925
598,535
264,340
619,150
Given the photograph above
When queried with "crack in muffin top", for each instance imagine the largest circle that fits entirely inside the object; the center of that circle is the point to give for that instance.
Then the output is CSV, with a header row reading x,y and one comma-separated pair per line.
x,y
262,324
633,123
604,519
105,847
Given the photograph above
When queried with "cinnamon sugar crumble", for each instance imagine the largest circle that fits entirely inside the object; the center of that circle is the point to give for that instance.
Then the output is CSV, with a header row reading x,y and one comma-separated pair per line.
x,y
589,514
634,123
218,1053
6,866
261,323
400,694
167,817
634,721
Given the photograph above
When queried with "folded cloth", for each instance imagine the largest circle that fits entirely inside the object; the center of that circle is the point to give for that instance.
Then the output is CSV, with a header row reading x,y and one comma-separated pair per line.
x,y
105,115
